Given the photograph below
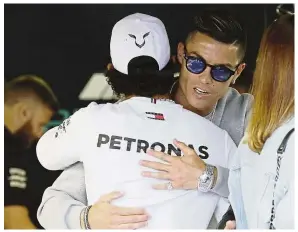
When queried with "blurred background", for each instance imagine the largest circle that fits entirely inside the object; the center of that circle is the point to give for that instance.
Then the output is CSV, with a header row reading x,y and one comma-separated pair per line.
x,y
67,43
68,46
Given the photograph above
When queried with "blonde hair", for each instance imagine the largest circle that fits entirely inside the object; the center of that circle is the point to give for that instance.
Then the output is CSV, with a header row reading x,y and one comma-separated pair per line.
x,y
273,82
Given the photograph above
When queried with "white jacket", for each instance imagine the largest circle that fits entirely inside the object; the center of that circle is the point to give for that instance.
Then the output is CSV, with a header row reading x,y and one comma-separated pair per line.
x,y
251,183
111,139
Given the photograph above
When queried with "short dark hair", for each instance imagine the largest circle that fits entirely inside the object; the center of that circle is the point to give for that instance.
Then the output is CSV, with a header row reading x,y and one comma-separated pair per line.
x,y
143,78
221,25
24,85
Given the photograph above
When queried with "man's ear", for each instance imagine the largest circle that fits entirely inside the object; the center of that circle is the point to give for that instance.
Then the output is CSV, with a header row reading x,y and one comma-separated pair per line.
x,y
23,112
180,52
239,70
110,66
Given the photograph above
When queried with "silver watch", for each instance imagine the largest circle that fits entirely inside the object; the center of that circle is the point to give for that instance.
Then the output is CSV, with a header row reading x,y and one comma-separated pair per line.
x,y
206,180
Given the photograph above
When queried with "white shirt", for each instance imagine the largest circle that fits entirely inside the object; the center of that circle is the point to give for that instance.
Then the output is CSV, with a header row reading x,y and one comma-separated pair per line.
x,y
111,139
251,183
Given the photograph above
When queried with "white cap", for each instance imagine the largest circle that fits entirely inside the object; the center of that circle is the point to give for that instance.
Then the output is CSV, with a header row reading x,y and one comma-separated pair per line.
x,y
139,35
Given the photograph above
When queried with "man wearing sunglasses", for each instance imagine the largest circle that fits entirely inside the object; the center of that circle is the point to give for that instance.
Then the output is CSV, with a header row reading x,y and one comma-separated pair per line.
x,y
211,59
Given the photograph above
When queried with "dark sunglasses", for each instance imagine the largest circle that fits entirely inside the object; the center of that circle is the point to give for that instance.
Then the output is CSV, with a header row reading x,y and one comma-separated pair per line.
x,y
197,65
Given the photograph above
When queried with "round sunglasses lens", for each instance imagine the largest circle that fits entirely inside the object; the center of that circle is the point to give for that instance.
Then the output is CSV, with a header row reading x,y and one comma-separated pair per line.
x,y
221,74
195,65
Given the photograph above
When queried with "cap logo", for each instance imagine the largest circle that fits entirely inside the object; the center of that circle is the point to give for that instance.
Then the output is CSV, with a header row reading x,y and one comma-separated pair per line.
x,y
143,43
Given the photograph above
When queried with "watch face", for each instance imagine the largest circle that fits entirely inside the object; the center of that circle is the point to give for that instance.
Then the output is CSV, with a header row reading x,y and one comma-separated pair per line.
x,y
204,178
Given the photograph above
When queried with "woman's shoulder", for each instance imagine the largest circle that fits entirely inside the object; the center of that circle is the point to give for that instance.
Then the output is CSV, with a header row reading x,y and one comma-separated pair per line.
x,y
273,141
277,137
244,155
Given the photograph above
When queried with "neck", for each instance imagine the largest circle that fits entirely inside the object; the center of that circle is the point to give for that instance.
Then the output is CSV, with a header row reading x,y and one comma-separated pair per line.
x,y
180,98
166,96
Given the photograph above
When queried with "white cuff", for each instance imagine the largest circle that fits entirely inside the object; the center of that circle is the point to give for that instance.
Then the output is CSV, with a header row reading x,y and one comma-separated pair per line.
x,y
72,217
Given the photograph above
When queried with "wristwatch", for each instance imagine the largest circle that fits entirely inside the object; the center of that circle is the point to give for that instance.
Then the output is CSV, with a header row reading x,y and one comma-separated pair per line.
x,y
205,181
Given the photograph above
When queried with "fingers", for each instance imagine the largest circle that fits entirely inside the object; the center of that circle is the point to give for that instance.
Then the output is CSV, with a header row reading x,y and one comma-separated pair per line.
x,y
164,186
125,211
129,218
155,165
105,215
111,196
230,225
186,150
117,220
160,155
131,226
157,175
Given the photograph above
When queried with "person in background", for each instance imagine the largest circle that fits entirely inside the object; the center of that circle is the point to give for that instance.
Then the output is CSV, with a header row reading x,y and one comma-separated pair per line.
x,y
29,104
262,177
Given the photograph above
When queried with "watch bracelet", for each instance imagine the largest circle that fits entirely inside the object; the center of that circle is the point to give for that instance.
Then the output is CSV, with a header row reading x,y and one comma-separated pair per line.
x,y
210,169
82,224
210,172
86,220
215,174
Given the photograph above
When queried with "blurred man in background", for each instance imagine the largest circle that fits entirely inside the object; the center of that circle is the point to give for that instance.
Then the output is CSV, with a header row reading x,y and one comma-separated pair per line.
x,y
29,104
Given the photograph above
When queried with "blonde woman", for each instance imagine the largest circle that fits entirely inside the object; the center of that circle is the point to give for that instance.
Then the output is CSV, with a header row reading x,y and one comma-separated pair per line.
x,y
261,180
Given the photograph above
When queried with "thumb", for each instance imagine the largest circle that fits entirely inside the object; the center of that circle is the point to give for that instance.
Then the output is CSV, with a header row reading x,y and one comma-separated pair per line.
x,y
230,225
111,196
186,150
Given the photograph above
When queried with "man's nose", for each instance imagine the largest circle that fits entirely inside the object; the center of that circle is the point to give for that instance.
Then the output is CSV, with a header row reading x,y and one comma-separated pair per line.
x,y
205,77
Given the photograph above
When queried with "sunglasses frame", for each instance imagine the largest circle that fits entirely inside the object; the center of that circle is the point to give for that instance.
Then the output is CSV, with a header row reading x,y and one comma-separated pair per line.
x,y
206,64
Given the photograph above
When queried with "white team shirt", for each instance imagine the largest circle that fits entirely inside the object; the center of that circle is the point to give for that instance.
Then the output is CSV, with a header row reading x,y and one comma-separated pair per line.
x,y
111,139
